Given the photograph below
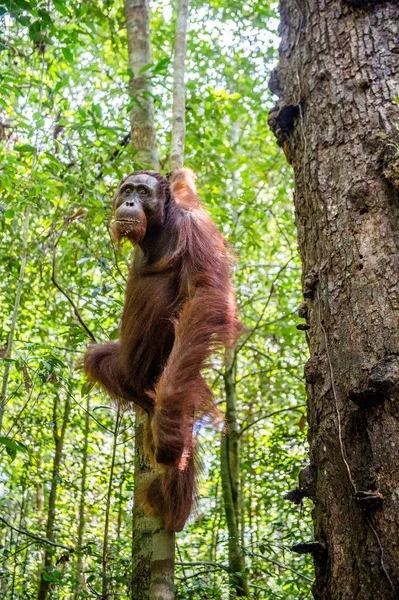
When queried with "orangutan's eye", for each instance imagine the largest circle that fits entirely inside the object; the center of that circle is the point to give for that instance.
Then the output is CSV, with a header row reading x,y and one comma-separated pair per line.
x,y
142,190
128,189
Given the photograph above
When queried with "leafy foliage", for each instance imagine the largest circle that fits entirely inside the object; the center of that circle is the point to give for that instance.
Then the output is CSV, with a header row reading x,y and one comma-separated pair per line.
x,y
64,123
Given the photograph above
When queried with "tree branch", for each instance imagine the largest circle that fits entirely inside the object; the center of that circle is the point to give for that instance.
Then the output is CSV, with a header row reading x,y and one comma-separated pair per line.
x,y
33,536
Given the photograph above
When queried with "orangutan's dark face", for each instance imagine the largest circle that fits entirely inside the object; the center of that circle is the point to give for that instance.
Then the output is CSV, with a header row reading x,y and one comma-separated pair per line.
x,y
138,205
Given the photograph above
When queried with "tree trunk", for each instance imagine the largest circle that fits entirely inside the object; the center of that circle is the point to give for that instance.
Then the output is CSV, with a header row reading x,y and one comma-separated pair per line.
x,y
179,88
229,459
142,125
80,577
105,579
17,541
337,78
143,526
59,437
10,341
162,564
148,534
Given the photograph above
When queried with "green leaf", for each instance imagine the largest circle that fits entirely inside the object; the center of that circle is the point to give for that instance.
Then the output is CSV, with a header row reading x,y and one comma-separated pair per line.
x,y
86,388
161,66
23,4
97,110
145,68
23,20
27,148
67,55
12,446
60,84
36,31
54,576
60,6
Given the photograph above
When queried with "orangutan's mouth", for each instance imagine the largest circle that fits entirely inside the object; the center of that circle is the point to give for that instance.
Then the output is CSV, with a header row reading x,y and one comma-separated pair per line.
x,y
128,221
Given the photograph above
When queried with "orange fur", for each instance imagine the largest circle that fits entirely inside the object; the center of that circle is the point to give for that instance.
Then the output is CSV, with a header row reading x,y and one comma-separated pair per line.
x,y
179,308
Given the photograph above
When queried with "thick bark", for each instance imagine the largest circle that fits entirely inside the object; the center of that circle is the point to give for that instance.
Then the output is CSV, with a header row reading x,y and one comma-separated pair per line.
x,y
230,474
337,78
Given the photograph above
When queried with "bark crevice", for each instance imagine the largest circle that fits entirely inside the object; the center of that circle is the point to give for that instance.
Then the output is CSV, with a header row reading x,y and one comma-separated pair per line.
x,y
343,63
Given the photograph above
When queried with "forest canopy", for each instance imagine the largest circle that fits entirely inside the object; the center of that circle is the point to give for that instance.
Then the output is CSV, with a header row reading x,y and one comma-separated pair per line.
x,y
66,453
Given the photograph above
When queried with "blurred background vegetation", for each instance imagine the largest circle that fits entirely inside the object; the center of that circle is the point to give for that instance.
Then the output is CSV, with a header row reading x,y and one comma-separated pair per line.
x,y
66,462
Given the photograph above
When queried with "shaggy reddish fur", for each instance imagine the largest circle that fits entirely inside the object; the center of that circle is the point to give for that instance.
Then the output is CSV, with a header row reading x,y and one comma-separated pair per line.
x,y
179,307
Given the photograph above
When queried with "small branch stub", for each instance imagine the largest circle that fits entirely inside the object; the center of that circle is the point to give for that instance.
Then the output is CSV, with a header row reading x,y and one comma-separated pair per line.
x,y
382,383
312,369
303,326
309,285
369,500
306,488
295,496
316,549
303,310
282,121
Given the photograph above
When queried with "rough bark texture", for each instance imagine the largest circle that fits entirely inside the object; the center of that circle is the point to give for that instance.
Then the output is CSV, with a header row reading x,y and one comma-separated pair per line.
x,y
336,80
142,525
162,565
142,124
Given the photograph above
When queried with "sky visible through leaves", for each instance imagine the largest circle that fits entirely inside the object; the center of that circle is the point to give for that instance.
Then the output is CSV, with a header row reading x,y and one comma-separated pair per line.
x,y
64,116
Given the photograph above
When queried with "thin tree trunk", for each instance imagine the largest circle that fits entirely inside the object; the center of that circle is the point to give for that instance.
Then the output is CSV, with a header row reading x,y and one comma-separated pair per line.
x,y
163,546
143,526
15,311
24,256
231,484
162,565
59,437
105,581
80,579
142,124
337,79
179,90
144,144
121,501
153,547
40,493
21,519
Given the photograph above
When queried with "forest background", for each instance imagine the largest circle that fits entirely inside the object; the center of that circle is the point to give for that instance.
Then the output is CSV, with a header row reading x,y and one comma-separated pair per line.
x,y
66,458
